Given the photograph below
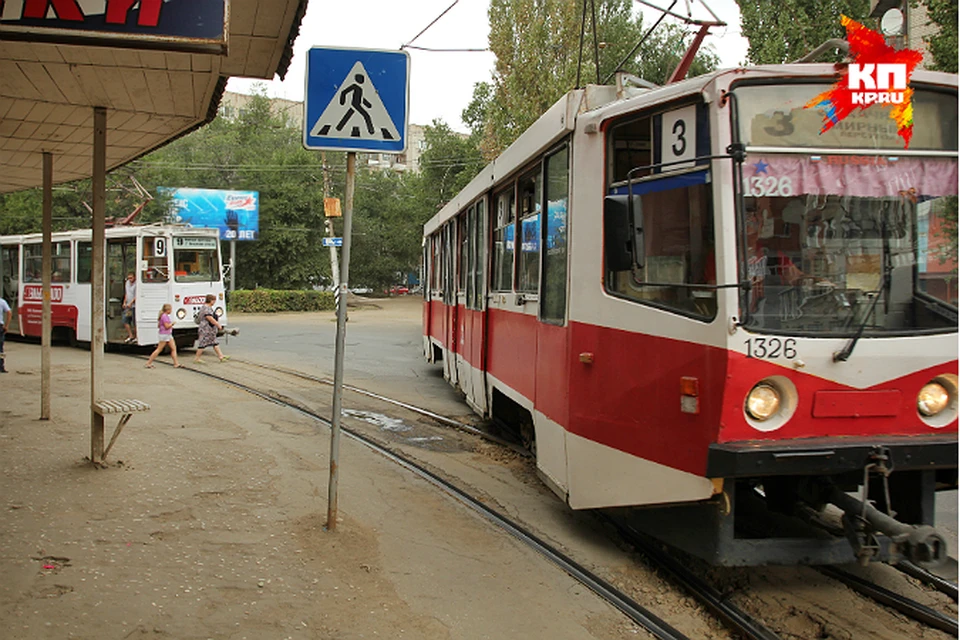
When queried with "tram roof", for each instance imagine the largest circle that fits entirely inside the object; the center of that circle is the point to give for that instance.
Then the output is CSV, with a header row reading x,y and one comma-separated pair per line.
x,y
48,91
597,103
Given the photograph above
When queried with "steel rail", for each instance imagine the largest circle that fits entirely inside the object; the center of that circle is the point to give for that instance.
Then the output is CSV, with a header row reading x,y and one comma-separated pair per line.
x,y
940,584
906,606
620,601
734,617
461,426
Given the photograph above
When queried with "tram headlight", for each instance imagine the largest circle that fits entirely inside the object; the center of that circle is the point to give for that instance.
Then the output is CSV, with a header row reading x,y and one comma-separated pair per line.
x,y
932,399
218,311
763,402
181,313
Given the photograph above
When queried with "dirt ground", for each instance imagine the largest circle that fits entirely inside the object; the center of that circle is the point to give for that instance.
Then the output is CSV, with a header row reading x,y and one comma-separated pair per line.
x,y
209,523
209,520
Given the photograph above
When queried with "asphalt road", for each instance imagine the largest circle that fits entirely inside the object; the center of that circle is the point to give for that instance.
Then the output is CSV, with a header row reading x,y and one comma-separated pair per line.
x,y
383,352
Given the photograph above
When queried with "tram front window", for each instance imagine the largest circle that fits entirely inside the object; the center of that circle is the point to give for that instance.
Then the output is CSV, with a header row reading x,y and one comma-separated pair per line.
x,y
196,260
881,255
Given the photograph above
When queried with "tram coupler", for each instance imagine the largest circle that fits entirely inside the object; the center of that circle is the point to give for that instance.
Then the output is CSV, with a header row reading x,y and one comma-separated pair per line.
x,y
921,544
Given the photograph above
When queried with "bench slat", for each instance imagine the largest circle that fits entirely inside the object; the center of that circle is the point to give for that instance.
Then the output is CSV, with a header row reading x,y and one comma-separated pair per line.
x,y
120,406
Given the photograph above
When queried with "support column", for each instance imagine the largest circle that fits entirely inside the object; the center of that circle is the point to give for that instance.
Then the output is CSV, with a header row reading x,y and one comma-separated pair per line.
x,y
97,318
46,266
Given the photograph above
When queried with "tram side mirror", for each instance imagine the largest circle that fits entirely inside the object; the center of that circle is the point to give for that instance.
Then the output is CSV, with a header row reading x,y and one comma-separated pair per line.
x,y
623,232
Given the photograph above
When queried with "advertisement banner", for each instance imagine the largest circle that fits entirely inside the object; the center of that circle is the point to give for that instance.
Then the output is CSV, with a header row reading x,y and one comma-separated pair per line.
x,y
235,213
172,25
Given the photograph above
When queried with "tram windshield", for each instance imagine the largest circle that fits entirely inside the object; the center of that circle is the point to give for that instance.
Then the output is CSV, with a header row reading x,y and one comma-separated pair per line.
x,y
196,259
833,243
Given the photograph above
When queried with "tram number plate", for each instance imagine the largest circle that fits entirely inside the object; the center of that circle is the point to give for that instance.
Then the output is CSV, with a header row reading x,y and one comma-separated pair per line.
x,y
770,348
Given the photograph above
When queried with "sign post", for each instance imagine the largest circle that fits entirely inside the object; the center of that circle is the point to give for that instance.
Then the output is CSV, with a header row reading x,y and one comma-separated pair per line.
x,y
355,100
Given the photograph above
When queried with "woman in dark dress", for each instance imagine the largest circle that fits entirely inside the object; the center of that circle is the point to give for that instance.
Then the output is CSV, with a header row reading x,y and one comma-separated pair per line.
x,y
207,331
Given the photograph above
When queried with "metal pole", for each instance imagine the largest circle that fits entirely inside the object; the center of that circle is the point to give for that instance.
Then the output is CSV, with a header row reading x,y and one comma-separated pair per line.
x,y
233,263
47,319
97,279
341,341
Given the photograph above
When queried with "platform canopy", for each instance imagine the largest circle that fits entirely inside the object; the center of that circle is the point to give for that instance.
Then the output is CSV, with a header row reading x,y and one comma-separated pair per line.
x,y
48,92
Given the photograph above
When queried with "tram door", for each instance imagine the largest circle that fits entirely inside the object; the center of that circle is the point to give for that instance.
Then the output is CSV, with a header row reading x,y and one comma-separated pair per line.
x,y
450,333
10,272
121,260
474,384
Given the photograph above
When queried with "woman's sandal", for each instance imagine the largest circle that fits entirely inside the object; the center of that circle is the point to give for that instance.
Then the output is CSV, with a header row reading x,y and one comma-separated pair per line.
x,y
149,366
224,358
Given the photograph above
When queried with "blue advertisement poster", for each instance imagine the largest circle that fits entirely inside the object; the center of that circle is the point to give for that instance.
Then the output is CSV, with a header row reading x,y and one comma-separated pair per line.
x,y
235,213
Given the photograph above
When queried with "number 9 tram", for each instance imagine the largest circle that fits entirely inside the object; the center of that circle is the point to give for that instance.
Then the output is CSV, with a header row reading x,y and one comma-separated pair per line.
x,y
172,264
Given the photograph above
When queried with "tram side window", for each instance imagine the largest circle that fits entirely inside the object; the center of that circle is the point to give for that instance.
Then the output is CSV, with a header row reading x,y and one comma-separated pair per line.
x,y
503,240
553,292
462,279
154,267
678,249
435,263
478,253
530,205
84,261
632,146
33,262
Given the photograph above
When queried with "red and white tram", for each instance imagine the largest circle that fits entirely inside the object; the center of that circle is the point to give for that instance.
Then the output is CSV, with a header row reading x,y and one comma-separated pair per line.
x,y
172,264
688,297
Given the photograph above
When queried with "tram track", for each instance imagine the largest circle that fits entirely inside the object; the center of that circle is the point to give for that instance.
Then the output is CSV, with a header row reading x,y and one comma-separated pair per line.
x,y
637,613
907,606
719,606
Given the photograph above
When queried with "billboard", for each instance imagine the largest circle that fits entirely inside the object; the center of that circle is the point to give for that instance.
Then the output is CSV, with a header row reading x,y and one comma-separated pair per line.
x,y
174,25
235,213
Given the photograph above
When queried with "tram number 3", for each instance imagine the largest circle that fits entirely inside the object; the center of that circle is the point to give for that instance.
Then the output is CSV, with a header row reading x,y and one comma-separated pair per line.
x,y
770,348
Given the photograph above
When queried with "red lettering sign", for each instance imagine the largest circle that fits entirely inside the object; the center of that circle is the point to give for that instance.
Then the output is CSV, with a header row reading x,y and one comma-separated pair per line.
x,y
65,9
34,293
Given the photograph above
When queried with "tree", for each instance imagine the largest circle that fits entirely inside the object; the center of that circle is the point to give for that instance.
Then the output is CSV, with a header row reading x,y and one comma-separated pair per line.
x,y
786,30
537,45
943,43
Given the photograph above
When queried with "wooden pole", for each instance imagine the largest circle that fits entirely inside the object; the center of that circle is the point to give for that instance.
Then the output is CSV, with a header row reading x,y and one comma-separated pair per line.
x,y
46,266
97,318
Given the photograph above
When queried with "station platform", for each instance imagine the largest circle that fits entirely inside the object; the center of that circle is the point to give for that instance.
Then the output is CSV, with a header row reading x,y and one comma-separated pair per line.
x,y
208,522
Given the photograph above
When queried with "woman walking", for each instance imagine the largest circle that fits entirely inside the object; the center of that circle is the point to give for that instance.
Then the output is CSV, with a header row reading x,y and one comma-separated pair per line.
x,y
164,337
209,325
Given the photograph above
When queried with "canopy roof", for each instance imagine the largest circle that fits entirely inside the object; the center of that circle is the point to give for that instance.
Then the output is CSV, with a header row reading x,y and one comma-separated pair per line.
x,y
48,91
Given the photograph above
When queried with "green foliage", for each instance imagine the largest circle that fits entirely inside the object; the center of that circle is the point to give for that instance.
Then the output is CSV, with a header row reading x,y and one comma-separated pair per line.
x,y
943,44
537,44
786,30
272,301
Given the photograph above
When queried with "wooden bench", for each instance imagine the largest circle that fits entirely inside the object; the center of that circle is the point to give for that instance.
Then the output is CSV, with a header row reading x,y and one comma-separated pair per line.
x,y
126,408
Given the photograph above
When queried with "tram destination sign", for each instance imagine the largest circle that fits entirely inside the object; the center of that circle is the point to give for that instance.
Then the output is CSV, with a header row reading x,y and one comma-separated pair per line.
x,y
171,25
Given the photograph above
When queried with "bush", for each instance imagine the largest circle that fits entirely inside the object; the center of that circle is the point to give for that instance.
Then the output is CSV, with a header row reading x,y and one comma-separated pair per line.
x,y
272,301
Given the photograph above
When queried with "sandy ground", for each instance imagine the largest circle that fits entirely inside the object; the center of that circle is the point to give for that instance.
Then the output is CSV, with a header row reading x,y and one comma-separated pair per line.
x,y
208,523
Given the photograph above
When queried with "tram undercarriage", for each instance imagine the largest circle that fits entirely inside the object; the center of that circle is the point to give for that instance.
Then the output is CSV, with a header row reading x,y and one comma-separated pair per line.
x,y
836,514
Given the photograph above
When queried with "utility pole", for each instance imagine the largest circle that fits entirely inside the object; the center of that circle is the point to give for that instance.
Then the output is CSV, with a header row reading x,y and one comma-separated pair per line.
x,y
328,224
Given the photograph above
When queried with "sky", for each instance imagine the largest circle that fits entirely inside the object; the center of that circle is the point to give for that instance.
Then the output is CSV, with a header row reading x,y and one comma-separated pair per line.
x,y
441,84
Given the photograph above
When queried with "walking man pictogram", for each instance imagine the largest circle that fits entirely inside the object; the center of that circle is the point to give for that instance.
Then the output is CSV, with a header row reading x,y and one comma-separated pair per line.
x,y
358,104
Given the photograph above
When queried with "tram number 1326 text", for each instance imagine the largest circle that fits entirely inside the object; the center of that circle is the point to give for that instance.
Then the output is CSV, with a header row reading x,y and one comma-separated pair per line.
x,y
770,348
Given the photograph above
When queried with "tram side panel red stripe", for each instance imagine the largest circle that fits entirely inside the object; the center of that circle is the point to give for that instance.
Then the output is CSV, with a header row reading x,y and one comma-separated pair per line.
x,y
628,398
512,350
553,372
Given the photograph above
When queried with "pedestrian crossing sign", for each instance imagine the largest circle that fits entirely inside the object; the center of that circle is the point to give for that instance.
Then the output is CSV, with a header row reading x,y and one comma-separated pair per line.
x,y
356,100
